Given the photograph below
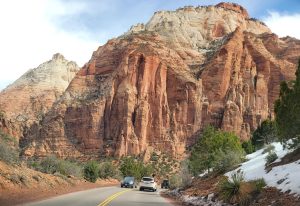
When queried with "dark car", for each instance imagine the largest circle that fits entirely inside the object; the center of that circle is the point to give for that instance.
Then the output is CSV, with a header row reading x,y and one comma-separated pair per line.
x,y
128,182
165,184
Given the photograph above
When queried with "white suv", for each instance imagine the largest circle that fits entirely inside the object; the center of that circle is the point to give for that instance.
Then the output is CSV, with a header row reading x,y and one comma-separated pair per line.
x,y
148,183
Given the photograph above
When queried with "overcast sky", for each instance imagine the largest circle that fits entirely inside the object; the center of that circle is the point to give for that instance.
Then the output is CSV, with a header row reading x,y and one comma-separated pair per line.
x,y
33,30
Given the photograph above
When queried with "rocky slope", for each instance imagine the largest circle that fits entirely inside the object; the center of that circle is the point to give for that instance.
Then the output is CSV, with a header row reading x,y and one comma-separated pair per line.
x,y
157,85
27,99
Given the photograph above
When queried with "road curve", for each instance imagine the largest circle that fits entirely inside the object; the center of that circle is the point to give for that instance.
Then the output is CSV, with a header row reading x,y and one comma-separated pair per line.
x,y
106,196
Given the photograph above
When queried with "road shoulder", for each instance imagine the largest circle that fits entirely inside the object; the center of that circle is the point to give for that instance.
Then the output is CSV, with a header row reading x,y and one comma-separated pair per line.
x,y
27,195
170,199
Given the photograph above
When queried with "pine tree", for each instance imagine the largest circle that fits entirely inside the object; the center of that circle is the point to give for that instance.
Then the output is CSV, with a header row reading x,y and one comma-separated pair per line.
x,y
287,109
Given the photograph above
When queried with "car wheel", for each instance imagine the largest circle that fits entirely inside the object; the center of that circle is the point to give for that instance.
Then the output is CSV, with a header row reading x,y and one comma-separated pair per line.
x,y
141,189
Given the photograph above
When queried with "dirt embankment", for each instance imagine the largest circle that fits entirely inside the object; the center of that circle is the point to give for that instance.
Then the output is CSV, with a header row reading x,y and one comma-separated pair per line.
x,y
205,187
19,184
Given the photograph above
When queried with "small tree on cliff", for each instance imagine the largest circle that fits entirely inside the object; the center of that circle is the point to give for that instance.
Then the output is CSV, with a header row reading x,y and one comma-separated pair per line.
x,y
287,110
213,149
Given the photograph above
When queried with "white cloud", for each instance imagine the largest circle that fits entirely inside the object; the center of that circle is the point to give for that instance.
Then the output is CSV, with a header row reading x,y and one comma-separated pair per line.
x,y
284,24
28,36
30,33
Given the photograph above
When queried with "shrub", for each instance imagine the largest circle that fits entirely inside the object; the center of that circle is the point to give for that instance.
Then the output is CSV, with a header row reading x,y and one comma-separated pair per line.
x,y
268,149
205,153
248,147
91,171
154,157
236,190
2,114
8,154
183,178
175,181
57,174
136,168
185,175
227,160
107,169
271,157
49,165
52,164
33,164
11,141
258,184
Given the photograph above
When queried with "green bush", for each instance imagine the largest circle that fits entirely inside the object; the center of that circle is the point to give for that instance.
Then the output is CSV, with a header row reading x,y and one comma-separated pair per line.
x,y
91,171
248,147
154,157
266,133
107,169
2,114
136,168
185,175
258,184
271,157
18,179
236,190
227,160
52,164
12,141
49,165
205,153
8,154
183,178
70,168
175,181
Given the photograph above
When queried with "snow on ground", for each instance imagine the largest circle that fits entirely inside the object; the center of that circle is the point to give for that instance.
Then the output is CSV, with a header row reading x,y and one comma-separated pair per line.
x,y
284,177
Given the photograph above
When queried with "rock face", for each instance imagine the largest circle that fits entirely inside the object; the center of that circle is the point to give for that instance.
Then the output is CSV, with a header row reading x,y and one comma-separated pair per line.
x,y
159,84
134,93
27,99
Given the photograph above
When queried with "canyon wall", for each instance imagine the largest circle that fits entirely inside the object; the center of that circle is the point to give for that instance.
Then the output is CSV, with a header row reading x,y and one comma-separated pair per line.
x,y
159,84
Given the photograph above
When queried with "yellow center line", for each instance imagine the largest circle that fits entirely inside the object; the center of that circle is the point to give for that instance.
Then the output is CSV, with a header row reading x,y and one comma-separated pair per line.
x,y
110,198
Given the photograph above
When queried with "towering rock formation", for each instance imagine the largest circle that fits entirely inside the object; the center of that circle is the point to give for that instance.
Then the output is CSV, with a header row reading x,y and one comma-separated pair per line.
x,y
159,84
27,99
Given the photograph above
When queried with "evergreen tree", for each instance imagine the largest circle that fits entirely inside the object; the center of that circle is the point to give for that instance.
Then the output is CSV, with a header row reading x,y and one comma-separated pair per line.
x,y
213,149
265,133
287,109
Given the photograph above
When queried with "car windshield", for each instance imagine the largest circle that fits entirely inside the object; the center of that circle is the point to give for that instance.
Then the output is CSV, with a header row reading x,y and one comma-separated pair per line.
x,y
165,181
148,179
127,179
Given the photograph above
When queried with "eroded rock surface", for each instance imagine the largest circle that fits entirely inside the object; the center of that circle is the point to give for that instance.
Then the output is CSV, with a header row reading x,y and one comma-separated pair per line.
x,y
159,84
27,99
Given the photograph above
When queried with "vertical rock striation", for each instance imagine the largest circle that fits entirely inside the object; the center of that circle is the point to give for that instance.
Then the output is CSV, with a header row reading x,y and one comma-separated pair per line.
x,y
159,84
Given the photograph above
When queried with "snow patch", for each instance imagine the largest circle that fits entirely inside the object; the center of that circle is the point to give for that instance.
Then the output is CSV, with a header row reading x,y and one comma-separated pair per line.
x,y
284,177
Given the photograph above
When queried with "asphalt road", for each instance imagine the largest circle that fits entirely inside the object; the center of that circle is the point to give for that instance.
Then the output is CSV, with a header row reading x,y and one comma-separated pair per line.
x,y
106,196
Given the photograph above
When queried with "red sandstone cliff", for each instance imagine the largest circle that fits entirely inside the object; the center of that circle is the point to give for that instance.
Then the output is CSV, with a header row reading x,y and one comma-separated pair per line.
x,y
157,85
27,99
